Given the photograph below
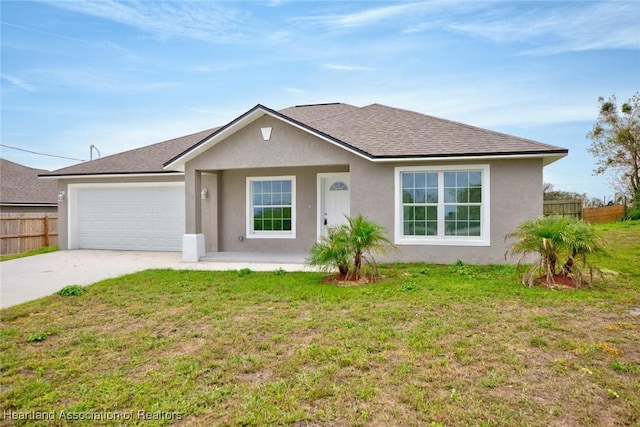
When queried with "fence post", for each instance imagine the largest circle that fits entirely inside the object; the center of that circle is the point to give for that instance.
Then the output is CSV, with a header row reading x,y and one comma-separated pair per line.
x,y
46,231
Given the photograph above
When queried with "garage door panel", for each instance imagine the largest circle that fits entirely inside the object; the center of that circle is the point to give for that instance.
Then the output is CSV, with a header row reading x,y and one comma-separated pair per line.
x,y
131,218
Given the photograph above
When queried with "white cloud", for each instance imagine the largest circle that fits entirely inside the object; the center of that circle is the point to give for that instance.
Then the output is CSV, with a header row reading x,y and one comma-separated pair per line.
x,y
339,67
576,26
99,80
206,21
17,82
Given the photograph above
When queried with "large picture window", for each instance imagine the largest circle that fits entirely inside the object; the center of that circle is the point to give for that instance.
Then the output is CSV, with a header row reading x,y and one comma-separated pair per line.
x,y
271,207
442,205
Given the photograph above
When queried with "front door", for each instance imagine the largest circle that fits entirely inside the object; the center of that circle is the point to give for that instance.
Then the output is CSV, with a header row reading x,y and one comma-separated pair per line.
x,y
335,200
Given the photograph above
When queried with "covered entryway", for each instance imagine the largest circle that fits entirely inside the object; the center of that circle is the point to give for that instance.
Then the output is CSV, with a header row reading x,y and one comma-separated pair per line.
x,y
131,216
334,202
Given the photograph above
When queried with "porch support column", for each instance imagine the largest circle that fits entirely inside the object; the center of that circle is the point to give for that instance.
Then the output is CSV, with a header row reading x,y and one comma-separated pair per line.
x,y
193,240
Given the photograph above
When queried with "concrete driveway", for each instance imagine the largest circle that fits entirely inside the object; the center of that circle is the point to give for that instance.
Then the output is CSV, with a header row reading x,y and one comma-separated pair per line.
x,y
26,279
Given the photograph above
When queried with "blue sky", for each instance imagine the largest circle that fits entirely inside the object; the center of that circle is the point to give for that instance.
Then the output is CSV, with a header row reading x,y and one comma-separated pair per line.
x,y
120,75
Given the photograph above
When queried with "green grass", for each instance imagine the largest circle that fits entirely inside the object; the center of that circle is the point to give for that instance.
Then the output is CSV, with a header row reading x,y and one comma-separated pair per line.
x,y
29,253
428,344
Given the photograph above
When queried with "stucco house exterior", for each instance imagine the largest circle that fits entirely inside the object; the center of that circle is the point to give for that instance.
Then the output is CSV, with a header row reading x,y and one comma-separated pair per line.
x,y
273,181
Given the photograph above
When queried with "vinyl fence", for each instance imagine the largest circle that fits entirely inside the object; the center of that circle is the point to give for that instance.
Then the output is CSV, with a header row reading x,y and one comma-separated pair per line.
x,y
24,232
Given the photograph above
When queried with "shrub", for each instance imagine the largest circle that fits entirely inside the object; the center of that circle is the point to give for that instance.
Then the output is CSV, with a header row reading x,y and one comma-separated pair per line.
x,y
562,243
244,271
349,248
72,291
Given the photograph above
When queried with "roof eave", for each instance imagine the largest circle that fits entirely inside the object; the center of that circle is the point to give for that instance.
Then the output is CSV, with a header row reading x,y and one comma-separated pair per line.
x,y
547,156
29,204
111,175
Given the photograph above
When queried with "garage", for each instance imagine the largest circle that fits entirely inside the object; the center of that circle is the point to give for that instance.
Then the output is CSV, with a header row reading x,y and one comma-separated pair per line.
x,y
145,217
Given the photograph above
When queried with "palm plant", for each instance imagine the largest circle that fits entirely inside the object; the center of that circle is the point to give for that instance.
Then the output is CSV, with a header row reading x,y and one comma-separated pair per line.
x,y
349,248
557,240
331,252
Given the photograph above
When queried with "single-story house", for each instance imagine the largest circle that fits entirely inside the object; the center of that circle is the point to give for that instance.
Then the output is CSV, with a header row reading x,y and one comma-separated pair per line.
x,y
273,181
21,192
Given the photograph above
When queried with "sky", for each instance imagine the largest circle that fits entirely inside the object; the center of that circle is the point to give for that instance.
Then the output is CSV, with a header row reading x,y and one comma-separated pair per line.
x,y
123,74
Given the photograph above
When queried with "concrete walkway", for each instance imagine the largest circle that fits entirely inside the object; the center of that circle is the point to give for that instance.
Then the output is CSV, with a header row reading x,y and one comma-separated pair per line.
x,y
26,279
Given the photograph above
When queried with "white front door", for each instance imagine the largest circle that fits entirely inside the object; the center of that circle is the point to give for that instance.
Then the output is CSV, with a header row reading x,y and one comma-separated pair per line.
x,y
335,200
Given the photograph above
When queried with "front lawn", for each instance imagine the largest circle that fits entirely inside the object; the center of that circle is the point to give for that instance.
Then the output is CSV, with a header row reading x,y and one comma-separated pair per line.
x,y
449,345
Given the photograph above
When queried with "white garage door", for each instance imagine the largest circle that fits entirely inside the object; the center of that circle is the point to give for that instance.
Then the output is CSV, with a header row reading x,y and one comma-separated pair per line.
x,y
147,218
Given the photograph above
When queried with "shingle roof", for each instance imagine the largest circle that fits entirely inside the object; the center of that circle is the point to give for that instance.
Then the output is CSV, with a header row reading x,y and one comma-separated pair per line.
x,y
19,185
375,131
147,159
382,131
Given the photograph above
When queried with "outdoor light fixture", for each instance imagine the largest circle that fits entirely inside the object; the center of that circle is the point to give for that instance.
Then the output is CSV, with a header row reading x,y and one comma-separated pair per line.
x,y
203,194
266,133
61,196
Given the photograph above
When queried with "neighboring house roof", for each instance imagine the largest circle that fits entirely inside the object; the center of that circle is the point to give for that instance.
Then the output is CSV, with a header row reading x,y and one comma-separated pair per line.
x,y
375,132
144,160
19,185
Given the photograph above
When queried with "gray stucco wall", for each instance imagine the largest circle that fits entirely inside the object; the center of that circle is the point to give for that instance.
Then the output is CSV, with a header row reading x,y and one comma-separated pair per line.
x,y
515,192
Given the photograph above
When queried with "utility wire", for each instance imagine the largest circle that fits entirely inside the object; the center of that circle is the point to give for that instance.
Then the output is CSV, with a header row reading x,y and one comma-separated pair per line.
x,y
41,154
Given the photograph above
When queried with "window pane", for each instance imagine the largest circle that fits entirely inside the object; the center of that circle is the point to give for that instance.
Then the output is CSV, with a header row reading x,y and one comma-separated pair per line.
x,y
407,197
432,228
474,228
432,212
286,225
475,195
462,212
420,213
407,213
475,179
408,228
420,179
432,196
474,213
257,187
407,180
450,195
276,186
449,179
462,179
432,180
419,196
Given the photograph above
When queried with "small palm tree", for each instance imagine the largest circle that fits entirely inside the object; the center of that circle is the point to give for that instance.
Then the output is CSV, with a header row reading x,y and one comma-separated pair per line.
x,y
556,239
365,237
349,248
331,252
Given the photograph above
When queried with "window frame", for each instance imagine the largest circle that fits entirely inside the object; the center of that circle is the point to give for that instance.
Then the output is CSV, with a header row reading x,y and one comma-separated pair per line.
x,y
441,238
260,234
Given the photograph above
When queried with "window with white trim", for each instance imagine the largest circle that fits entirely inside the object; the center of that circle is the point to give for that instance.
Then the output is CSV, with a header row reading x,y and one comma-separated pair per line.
x,y
442,205
271,207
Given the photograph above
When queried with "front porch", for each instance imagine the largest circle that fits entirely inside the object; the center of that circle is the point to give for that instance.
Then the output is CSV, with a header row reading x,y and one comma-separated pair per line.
x,y
255,257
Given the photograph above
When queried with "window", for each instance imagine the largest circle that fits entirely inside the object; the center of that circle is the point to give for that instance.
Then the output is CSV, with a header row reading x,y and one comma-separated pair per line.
x,y
442,205
271,207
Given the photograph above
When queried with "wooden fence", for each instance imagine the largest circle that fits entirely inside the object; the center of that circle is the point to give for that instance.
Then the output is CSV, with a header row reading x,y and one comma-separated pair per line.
x,y
563,207
24,232
604,214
